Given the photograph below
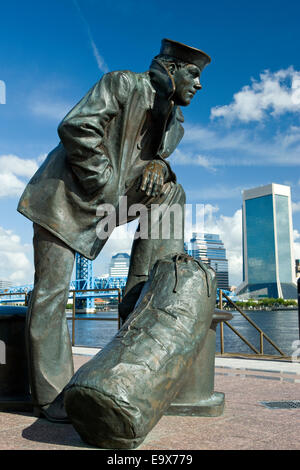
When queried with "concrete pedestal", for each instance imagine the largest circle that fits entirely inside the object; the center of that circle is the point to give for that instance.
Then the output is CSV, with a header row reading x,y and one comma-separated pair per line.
x,y
197,397
14,383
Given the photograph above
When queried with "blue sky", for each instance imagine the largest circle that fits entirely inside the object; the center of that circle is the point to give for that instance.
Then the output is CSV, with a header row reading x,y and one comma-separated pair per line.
x,y
242,129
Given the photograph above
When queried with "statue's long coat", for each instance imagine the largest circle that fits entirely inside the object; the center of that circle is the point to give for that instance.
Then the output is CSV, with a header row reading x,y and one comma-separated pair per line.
x,y
107,139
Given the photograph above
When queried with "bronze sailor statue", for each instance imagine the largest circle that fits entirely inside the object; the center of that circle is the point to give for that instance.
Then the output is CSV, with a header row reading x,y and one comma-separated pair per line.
x,y
115,142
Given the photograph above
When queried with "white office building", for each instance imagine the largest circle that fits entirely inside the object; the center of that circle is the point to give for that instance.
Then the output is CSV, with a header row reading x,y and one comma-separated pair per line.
x,y
119,265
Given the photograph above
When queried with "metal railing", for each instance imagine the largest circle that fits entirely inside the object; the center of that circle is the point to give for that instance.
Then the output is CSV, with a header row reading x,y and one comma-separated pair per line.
x,y
88,318
26,295
4,294
222,294
262,335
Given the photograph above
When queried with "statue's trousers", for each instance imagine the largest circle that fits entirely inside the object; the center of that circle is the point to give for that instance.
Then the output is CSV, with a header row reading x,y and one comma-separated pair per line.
x,y
48,341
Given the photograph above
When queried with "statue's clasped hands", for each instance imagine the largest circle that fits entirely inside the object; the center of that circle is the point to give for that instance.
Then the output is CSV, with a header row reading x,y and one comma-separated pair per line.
x,y
153,178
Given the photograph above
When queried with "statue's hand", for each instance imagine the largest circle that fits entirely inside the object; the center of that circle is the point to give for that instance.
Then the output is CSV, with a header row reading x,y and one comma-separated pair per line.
x,y
153,178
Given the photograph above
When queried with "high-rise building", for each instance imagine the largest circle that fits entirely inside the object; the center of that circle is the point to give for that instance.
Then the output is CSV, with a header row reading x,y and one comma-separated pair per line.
x,y
119,265
268,260
209,248
297,268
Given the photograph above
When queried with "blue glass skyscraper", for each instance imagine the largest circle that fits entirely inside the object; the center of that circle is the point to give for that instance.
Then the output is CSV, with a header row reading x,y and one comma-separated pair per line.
x,y
268,260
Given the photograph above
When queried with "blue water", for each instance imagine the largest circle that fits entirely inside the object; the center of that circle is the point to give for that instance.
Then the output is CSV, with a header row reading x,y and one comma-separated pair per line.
x,y
281,326
94,334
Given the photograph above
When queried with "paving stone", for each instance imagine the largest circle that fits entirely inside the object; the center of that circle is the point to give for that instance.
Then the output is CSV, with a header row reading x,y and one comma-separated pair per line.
x,y
245,423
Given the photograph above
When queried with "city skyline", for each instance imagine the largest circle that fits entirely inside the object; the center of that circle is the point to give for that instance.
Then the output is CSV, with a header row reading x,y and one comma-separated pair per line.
x,y
242,130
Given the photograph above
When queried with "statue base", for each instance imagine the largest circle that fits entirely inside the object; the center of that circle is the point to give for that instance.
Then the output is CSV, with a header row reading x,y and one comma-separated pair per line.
x,y
197,397
16,404
14,382
210,407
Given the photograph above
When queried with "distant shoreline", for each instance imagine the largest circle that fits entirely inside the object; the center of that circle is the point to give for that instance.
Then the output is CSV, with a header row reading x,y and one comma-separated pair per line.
x,y
264,309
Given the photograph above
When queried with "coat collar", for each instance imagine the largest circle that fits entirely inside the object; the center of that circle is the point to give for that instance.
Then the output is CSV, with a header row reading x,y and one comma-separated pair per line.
x,y
163,84
161,79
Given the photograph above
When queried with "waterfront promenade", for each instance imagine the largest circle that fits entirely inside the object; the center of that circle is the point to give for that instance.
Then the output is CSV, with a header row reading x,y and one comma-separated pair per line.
x,y
246,424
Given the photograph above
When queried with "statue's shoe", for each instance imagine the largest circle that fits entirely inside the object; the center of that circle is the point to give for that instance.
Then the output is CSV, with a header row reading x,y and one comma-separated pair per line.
x,y
54,412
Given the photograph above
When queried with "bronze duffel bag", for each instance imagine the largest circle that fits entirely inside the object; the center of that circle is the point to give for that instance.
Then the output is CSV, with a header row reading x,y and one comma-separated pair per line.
x,y
116,398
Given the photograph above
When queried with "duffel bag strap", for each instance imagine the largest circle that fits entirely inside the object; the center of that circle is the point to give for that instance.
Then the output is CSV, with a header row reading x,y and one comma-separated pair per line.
x,y
185,257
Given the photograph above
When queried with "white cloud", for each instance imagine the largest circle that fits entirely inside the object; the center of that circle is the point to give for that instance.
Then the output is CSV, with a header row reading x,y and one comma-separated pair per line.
x,y
216,192
228,227
10,185
218,146
230,230
50,109
49,100
277,92
17,165
41,158
181,158
296,244
2,92
120,241
291,137
15,172
99,59
296,206
15,264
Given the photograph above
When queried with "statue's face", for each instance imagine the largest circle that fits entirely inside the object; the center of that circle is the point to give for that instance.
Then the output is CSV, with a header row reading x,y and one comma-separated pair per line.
x,y
187,83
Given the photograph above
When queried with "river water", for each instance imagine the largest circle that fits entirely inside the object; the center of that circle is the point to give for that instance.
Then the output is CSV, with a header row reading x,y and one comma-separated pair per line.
x,y
280,325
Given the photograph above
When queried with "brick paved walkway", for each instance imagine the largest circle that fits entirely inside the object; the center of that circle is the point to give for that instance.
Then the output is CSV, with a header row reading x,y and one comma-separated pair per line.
x,y
245,424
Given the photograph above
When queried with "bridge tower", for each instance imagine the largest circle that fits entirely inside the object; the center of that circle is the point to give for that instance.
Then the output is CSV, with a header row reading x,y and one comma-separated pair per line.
x,y
84,280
